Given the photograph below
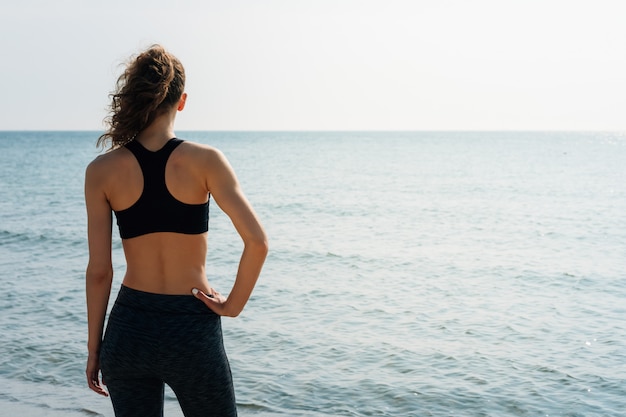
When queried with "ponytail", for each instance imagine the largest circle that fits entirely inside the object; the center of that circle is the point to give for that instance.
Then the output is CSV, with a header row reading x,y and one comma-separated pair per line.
x,y
150,86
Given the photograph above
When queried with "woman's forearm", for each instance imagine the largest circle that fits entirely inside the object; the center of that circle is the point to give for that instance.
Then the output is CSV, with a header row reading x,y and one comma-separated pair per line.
x,y
250,265
98,289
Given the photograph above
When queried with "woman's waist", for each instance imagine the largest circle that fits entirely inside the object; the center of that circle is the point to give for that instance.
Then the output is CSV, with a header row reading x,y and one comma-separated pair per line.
x,y
138,299
165,279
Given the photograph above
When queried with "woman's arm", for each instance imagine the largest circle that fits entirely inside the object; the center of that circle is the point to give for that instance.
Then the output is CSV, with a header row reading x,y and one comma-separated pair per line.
x,y
99,274
222,183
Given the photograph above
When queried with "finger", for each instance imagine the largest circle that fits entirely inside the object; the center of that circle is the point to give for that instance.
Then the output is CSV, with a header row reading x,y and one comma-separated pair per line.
x,y
100,391
94,385
208,300
203,296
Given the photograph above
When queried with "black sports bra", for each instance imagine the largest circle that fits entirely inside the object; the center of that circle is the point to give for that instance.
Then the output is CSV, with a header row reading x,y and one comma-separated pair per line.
x,y
157,210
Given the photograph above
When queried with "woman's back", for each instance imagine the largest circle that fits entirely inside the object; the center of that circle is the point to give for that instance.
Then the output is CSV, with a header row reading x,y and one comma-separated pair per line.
x,y
160,262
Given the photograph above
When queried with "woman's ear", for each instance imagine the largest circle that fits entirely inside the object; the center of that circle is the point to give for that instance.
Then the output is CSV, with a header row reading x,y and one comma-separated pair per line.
x,y
182,101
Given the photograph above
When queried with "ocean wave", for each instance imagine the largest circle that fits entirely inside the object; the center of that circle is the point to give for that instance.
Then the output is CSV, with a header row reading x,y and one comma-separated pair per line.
x,y
23,240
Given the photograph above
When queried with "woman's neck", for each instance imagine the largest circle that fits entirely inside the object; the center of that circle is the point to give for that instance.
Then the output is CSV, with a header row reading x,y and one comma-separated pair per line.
x,y
158,132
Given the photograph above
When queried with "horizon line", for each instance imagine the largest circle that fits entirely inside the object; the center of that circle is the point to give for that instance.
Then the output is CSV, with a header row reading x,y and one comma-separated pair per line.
x,y
338,130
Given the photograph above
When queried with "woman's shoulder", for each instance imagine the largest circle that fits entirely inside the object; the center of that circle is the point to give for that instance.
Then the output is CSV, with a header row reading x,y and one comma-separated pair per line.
x,y
199,147
201,151
110,161
207,159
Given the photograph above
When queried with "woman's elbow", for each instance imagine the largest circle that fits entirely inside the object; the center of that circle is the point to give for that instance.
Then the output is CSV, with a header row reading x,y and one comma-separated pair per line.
x,y
259,245
99,274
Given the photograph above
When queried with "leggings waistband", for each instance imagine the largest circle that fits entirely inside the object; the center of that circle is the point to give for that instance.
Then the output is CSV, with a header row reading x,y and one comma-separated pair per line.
x,y
161,303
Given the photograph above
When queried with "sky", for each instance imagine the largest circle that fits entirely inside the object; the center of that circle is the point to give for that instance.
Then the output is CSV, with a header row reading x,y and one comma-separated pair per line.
x,y
325,64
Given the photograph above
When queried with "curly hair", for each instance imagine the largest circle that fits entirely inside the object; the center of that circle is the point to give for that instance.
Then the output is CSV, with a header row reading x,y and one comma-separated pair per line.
x,y
151,84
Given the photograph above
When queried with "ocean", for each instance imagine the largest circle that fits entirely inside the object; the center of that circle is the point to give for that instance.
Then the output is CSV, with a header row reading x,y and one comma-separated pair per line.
x,y
409,274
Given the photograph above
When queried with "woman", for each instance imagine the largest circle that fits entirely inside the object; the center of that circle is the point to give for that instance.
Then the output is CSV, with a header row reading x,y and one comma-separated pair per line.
x,y
160,329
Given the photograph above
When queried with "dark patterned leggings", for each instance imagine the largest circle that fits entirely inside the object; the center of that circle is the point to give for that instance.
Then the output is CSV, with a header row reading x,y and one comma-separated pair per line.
x,y
155,339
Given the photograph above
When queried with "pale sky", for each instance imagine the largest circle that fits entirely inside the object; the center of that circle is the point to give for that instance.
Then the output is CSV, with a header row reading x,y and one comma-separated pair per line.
x,y
325,64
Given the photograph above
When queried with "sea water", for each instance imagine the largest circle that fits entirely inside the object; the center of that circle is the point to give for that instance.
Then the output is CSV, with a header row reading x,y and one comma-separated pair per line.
x,y
409,274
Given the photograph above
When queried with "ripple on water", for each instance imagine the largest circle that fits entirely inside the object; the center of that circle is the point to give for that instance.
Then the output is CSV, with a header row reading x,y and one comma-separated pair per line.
x,y
458,274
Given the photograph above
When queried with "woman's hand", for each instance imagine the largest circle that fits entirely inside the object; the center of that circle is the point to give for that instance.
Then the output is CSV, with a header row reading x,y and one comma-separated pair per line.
x,y
214,300
93,374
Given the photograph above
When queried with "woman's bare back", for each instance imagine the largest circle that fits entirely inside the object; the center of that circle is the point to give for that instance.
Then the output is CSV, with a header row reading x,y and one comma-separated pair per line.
x,y
162,262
